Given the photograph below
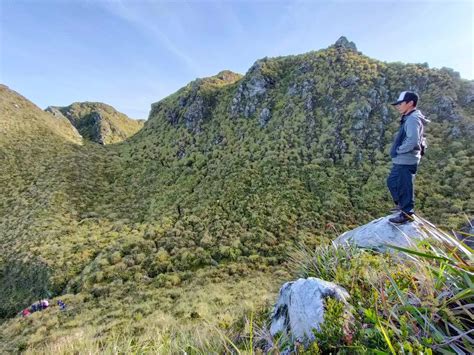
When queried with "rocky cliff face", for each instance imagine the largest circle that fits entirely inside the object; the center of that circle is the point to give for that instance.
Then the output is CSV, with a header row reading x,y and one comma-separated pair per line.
x,y
335,100
193,105
98,122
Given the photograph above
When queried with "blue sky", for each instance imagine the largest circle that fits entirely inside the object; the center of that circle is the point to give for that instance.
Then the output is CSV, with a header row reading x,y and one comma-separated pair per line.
x,y
130,54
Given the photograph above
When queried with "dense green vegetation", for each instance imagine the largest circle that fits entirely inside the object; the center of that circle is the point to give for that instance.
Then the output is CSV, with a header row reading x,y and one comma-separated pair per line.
x,y
227,175
419,301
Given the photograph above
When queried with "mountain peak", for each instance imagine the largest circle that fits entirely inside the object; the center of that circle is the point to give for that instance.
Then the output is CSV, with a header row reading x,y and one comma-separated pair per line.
x,y
228,76
97,121
343,42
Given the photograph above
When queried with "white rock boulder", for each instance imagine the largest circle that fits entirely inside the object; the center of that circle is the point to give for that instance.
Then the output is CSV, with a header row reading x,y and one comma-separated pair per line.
x,y
300,307
380,233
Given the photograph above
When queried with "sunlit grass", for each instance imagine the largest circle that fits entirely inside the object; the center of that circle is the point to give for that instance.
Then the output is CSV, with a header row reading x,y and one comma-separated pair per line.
x,y
420,298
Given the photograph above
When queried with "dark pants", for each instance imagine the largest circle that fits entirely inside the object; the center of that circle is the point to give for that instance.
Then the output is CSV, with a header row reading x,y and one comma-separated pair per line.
x,y
400,182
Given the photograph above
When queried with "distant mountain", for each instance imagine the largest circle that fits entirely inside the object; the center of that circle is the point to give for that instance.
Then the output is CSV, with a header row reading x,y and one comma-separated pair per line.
x,y
98,122
22,120
314,122
226,176
49,176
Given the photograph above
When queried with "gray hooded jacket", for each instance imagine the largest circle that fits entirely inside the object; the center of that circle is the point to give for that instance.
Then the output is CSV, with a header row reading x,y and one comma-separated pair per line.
x,y
406,148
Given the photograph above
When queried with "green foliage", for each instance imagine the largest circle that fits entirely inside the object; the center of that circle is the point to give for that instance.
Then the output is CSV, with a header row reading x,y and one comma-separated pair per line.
x,y
211,189
331,335
419,301
22,282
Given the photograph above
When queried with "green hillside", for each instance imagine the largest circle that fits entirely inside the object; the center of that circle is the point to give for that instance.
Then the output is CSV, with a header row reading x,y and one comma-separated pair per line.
x,y
190,220
98,122
49,180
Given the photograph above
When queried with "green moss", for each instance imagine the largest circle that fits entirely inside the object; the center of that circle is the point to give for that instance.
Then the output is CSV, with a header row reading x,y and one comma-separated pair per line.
x,y
331,335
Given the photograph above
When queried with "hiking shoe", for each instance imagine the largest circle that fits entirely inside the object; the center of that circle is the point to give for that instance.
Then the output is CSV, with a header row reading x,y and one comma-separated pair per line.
x,y
402,218
395,209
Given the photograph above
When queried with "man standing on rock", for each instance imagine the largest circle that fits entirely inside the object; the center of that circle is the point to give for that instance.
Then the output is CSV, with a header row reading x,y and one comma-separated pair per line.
x,y
406,152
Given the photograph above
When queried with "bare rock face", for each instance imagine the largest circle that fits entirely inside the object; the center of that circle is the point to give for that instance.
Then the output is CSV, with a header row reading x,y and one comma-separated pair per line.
x,y
466,233
54,111
58,115
252,91
196,102
265,116
343,42
300,307
445,108
380,232
468,97
196,113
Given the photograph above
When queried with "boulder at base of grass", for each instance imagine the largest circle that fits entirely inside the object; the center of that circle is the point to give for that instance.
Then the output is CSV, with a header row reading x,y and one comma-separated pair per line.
x,y
380,232
466,234
300,308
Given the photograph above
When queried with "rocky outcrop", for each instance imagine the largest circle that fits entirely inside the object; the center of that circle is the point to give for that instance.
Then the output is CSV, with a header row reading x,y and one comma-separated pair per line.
x,y
468,97
380,233
196,109
195,114
58,115
300,308
101,127
265,116
228,77
445,108
252,91
196,101
54,111
466,233
343,42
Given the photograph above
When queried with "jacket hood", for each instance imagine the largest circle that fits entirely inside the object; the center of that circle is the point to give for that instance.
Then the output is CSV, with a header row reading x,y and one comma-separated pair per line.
x,y
417,113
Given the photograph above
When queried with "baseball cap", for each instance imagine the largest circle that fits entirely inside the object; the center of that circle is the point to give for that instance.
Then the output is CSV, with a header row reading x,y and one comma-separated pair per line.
x,y
406,96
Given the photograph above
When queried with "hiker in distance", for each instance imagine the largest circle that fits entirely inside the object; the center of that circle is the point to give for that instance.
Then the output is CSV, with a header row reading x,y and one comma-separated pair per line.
x,y
406,151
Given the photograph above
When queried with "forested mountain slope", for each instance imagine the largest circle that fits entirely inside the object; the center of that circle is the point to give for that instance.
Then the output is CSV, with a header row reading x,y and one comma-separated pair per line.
x,y
226,176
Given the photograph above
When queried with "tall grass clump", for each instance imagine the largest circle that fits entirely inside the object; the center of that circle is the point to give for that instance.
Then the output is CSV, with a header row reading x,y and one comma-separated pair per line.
x,y
447,316
411,300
